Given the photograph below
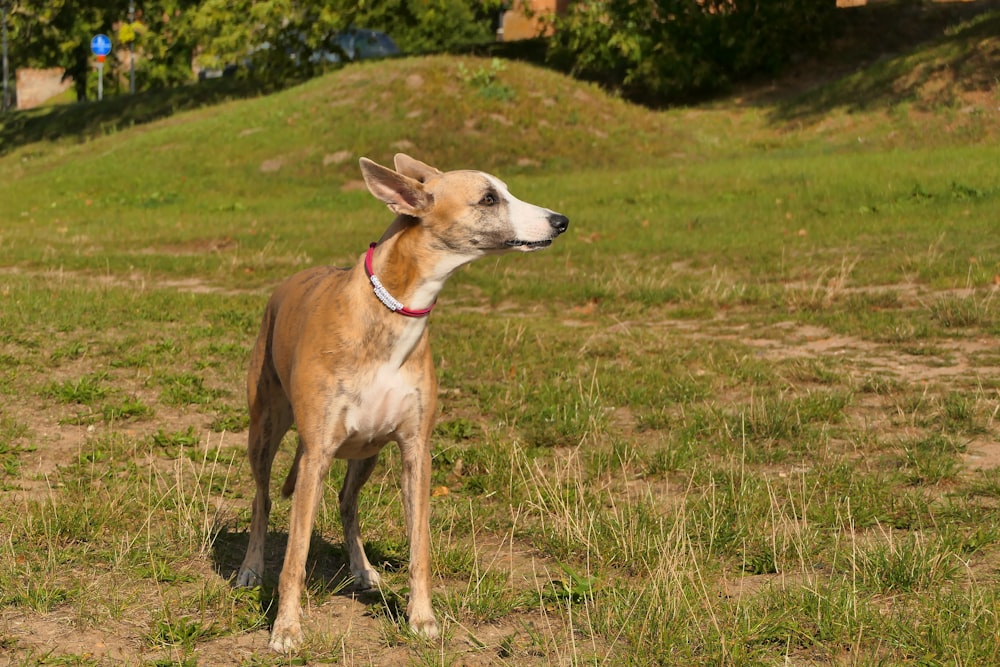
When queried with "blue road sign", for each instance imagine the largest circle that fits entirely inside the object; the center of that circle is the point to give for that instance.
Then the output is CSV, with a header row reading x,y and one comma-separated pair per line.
x,y
100,45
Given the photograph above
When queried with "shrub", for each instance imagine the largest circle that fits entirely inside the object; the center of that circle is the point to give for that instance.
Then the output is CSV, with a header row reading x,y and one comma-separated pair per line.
x,y
664,51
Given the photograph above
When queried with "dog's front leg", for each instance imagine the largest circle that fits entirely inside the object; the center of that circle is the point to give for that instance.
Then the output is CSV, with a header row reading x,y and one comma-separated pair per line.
x,y
286,635
416,488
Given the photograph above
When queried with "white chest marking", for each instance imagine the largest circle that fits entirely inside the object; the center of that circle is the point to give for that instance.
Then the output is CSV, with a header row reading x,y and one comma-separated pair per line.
x,y
387,401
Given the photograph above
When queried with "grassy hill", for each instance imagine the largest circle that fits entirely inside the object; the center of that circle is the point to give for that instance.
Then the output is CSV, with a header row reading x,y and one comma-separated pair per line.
x,y
953,71
440,105
241,172
510,116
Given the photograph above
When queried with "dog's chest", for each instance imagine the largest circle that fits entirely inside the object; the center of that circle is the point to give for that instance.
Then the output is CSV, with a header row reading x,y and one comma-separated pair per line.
x,y
381,407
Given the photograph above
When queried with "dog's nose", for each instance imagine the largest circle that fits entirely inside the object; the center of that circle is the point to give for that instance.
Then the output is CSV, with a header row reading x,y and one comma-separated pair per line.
x,y
559,222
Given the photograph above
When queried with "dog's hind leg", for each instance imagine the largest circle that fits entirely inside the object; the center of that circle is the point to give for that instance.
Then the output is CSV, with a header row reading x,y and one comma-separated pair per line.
x,y
358,472
270,418
288,488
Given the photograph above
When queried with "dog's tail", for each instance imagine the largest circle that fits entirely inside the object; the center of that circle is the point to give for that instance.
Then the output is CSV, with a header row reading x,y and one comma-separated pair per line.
x,y
288,488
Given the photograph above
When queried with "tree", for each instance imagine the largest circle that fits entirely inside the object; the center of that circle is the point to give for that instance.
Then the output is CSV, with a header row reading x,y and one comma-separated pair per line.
x,y
5,100
664,51
164,41
420,26
274,35
278,35
57,33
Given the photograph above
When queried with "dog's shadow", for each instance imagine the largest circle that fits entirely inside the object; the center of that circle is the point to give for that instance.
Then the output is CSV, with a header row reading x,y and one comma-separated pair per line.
x,y
327,570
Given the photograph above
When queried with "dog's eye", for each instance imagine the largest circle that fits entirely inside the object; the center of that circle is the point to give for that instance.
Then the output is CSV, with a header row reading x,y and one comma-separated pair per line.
x,y
489,199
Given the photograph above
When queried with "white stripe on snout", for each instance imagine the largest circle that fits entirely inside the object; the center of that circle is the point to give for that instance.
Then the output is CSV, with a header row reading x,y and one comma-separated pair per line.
x,y
529,222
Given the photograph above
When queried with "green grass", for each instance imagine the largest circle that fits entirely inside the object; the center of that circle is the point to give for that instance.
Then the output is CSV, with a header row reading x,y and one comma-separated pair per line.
x,y
741,413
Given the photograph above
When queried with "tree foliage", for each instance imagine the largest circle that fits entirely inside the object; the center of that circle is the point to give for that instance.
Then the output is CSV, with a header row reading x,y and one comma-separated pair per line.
x,y
657,51
47,33
164,41
420,26
277,36
57,33
674,50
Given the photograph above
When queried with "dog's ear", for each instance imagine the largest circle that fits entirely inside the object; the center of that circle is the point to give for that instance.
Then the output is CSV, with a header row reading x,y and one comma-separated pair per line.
x,y
413,168
402,194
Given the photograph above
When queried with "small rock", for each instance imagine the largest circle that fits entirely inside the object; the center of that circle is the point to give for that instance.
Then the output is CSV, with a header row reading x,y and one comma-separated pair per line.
x,y
271,166
336,158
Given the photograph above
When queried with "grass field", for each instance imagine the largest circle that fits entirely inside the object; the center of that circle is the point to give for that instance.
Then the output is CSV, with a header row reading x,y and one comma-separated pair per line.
x,y
746,411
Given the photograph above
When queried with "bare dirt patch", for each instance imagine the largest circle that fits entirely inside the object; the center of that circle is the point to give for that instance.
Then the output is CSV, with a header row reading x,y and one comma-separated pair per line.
x,y
56,635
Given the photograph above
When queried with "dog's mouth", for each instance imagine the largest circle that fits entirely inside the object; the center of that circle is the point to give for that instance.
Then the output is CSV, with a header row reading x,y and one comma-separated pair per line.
x,y
528,245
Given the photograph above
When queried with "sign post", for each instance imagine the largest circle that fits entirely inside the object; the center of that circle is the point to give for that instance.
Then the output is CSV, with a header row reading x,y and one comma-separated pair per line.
x,y
100,46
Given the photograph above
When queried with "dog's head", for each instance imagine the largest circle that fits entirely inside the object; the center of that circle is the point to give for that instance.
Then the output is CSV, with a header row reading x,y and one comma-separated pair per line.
x,y
467,211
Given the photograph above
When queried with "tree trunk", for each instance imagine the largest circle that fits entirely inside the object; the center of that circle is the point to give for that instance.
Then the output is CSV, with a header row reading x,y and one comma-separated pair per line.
x,y
78,72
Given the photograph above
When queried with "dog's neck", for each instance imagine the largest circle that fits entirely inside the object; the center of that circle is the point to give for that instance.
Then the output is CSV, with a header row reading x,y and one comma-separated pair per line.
x,y
408,266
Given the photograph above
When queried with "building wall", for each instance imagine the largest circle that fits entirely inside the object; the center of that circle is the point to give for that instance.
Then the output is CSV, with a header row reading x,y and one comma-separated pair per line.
x,y
521,24
34,86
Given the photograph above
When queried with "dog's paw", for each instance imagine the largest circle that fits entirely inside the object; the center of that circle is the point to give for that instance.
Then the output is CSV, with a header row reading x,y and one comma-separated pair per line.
x,y
365,580
425,626
248,578
285,637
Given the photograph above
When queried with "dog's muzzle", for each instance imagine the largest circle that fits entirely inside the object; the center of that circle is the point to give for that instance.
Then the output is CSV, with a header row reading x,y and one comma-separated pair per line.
x,y
559,224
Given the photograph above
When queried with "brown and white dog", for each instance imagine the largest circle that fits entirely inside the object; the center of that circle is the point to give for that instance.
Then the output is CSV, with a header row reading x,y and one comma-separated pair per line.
x,y
340,355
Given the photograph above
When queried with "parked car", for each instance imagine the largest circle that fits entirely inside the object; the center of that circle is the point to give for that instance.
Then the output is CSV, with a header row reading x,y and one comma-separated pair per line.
x,y
351,44
357,44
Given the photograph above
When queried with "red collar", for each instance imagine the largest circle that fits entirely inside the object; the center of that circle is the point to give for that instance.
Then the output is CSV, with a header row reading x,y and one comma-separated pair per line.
x,y
383,295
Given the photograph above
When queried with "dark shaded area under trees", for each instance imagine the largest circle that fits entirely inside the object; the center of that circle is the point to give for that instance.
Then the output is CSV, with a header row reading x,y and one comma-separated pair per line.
x,y
670,51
